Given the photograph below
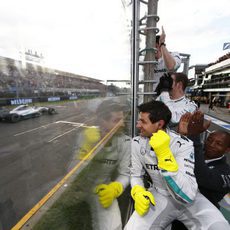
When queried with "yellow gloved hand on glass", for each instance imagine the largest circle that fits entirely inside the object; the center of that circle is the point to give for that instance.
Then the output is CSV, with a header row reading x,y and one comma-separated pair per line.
x,y
142,199
108,192
160,143
91,136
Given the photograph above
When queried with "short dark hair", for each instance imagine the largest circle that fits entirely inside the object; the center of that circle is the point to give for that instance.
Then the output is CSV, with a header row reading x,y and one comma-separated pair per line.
x,y
181,77
105,109
157,111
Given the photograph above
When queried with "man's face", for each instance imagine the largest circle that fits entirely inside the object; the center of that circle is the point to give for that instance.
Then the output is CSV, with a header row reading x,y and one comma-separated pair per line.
x,y
116,117
146,127
215,145
174,86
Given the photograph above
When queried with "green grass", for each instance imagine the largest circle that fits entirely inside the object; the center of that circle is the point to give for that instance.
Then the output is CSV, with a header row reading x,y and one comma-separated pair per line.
x,y
70,211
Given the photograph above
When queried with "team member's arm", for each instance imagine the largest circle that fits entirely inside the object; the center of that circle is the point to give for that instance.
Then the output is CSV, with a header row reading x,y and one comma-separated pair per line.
x,y
136,169
172,61
142,198
160,143
181,183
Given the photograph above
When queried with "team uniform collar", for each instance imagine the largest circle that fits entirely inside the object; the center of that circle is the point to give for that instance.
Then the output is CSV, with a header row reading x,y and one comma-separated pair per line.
x,y
179,99
215,159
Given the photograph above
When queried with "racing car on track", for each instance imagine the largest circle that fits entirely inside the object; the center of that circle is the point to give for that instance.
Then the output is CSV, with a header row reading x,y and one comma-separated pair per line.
x,y
6,116
22,112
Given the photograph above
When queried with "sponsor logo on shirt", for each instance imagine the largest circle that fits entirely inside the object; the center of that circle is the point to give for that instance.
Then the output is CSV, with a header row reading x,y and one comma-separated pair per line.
x,y
142,150
192,155
187,160
180,143
152,167
188,166
160,70
190,174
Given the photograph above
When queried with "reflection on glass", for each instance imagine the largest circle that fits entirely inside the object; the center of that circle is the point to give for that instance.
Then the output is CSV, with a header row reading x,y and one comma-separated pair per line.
x,y
54,58
91,199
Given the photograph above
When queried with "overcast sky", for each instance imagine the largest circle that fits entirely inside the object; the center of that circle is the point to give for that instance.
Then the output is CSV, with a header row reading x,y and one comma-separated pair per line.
x,y
197,27
91,38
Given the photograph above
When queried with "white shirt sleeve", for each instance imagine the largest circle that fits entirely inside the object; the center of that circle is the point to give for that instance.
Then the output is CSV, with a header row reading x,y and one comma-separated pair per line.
x,y
137,170
177,59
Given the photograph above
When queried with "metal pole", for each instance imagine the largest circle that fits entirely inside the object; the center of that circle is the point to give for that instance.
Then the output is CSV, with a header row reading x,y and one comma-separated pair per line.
x,y
134,58
150,43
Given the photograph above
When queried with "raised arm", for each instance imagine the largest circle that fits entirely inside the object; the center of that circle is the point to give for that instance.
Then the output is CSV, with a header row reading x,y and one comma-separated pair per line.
x,y
172,62
176,162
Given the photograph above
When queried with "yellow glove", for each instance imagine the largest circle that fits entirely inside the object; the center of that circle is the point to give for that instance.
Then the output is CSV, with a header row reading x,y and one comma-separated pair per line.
x,y
142,199
160,143
91,137
92,134
107,193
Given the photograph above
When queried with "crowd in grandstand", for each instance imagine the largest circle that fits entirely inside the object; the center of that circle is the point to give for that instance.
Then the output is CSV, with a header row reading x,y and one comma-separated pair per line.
x,y
220,59
33,80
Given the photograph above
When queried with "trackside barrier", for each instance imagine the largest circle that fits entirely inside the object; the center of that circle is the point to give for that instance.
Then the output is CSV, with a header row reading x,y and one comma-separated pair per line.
x,y
29,100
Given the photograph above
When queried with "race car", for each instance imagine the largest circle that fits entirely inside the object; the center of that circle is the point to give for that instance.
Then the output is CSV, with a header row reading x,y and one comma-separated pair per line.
x,y
6,116
22,112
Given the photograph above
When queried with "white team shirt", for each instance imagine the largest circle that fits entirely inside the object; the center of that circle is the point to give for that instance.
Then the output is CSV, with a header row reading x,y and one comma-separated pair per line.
x,y
182,184
177,107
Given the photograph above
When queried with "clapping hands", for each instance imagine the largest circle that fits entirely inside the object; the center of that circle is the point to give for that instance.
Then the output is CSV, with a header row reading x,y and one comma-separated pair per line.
x,y
193,123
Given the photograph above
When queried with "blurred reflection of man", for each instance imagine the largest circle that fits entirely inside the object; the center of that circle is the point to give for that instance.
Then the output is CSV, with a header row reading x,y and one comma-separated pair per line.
x,y
107,175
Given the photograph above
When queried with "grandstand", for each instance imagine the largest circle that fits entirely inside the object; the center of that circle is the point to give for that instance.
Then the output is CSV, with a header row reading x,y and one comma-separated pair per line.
x,y
33,80
212,80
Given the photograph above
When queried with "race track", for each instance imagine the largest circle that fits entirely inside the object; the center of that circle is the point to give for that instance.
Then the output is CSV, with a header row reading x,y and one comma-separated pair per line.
x,y
35,154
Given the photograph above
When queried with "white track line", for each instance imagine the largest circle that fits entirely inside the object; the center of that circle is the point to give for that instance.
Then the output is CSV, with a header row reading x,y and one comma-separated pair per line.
x,y
31,130
77,125
61,135
70,122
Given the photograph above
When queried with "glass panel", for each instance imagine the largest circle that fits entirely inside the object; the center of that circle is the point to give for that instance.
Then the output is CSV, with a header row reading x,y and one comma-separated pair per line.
x,y
63,124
